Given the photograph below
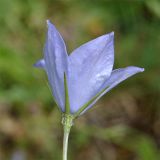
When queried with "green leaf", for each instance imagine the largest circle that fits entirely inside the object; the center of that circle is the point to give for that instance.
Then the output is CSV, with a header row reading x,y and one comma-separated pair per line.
x,y
67,103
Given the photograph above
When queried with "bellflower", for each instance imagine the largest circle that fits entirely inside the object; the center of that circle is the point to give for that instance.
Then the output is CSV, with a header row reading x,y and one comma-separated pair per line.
x,y
87,71
80,79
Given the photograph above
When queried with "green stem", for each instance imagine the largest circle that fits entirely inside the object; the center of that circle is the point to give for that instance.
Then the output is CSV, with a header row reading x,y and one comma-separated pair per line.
x,y
65,144
67,121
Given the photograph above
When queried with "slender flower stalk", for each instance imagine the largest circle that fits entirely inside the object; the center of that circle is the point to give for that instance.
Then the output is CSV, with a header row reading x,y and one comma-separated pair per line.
x,y
80,79
65,145
67,121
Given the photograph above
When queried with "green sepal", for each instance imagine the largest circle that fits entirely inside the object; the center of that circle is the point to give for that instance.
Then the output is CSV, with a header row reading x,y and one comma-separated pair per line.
x,y
67,121
89,102
67,103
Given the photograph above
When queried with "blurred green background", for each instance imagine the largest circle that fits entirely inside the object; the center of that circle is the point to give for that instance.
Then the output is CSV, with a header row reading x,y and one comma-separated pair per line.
x,y
123,125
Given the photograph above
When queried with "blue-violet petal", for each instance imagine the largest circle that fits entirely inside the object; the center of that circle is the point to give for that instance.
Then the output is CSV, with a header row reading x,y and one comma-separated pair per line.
x,y
56,61
117,76
90,65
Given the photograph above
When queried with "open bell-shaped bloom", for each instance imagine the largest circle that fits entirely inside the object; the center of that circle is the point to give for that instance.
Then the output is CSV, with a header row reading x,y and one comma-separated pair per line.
x,y
83,76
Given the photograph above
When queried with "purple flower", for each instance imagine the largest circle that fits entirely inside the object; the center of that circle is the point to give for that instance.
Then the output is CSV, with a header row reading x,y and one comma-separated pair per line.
x,y
83,76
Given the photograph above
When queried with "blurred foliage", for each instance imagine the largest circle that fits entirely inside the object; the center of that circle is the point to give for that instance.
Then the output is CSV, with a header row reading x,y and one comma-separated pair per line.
x,y
124,125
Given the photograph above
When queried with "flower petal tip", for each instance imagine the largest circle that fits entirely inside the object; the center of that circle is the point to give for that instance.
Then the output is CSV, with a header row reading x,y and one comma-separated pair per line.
x,y
142,69
112,33
35,65
51,27
134,69
48,22
39,64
